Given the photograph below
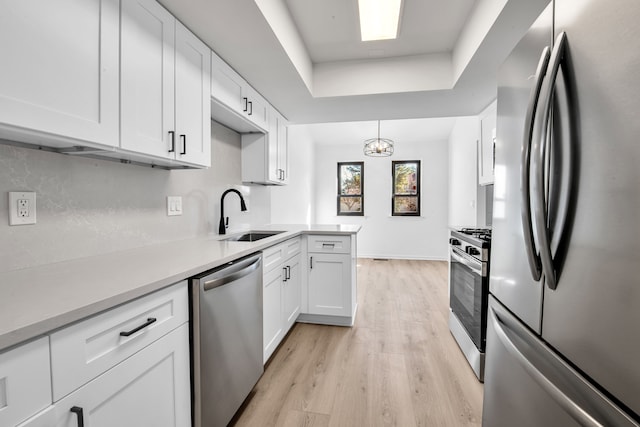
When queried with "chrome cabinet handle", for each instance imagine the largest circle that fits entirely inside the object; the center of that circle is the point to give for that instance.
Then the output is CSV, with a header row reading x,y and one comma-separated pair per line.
x,y
78,411
246,104
250,108
525,186
288,272
572,408
539,149
149,321
284,272
311,263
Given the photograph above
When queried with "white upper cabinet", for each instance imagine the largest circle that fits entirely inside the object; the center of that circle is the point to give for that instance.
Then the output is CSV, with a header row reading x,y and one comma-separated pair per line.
x,y
283,149
147,89
193,106
486,145
165,89
226,85
257,107
60,70
235,103
265,157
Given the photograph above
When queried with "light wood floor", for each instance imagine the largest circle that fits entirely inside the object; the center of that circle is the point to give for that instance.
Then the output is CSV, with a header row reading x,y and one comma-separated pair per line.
x,y
398,366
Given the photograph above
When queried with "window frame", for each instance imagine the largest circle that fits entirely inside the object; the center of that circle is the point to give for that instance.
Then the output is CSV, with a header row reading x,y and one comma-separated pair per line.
x,y
418,191
340,195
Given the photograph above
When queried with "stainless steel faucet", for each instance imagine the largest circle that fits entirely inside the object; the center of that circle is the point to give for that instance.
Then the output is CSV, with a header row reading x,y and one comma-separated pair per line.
x,y
224,222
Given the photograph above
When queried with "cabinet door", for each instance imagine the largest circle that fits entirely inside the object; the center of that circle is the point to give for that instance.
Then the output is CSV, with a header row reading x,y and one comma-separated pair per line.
x,y
60,68
486,150
25,381
273,169
193,102
272,311
147,89
151,388
226,85
283,149
329,290
258,107
291,292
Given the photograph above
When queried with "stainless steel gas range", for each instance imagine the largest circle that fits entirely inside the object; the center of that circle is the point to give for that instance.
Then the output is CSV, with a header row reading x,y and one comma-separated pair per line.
x,y
469,250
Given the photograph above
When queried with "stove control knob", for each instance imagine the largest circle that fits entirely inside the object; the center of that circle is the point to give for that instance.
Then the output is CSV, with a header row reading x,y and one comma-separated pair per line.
x,y
472,251
454,242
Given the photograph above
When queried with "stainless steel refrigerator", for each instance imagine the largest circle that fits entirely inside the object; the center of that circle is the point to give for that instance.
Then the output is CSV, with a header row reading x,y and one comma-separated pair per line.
x,y
563,337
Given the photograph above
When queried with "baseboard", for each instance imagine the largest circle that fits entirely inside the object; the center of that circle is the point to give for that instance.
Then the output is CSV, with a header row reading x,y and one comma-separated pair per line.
x,y
411,258
326,320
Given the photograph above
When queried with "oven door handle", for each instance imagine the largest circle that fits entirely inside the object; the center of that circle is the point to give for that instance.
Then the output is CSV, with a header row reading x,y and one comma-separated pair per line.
x,y
473,266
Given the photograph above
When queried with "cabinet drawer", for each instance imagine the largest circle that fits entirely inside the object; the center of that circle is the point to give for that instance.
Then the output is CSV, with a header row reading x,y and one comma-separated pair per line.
x,y
83,351
329,244
275,255
25,381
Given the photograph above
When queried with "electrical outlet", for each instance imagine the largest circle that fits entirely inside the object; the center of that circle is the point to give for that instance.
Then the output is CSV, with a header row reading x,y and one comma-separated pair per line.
x,y
174,205
22,207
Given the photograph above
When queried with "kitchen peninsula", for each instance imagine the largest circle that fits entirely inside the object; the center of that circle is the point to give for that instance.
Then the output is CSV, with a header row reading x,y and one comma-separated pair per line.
x,y
41,299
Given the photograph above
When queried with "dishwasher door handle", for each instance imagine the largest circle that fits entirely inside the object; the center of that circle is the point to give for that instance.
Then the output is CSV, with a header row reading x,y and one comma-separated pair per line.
x,y
233,273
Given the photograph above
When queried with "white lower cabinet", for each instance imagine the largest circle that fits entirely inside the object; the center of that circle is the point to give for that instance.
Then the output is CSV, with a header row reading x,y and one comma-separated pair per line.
x,y
151,388
126,367
281,292
291,291
272,326
329,284
331,281
25,382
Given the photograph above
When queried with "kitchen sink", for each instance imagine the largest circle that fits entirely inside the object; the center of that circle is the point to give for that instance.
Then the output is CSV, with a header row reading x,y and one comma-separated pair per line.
x,y
252,236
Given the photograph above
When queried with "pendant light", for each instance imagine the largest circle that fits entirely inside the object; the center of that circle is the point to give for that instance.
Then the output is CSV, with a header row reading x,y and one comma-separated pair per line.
x,y
378,147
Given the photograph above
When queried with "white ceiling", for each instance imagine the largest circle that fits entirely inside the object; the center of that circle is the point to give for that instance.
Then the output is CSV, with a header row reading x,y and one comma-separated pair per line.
x,y
330,29
313,68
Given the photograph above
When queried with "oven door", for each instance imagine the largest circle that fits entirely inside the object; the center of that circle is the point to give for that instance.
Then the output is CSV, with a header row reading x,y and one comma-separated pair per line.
x,y
469,291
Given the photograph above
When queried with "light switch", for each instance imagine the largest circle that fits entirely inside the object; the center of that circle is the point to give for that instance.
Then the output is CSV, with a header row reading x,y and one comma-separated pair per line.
x,y
174,205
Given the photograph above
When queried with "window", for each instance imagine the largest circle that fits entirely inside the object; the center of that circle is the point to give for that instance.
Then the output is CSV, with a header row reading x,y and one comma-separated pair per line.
x,y
350,188
405,200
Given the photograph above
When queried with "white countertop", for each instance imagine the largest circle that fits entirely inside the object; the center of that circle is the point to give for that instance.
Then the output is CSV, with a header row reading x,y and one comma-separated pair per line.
x,y
36,301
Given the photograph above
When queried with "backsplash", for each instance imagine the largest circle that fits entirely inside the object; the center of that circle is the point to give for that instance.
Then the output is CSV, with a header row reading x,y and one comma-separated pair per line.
x,y
88,207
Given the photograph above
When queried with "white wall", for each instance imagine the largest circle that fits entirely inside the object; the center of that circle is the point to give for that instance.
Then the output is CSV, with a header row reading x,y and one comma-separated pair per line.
x,y
89,207
293,203
463,172
384,236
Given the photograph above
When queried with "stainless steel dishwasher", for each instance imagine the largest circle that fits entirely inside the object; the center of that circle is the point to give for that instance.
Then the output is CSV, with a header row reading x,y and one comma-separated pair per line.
x,y
226,337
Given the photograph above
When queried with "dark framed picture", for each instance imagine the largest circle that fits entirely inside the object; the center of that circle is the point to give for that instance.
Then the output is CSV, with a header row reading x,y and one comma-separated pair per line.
x,y
405,200
350,189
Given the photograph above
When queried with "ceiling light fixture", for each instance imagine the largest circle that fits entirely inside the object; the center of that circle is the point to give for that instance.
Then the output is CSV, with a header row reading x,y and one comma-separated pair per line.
x,y
379,19
378,147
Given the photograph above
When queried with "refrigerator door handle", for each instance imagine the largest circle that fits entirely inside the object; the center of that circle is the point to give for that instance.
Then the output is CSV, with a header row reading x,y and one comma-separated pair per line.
x,y
572,408
539,149
525,186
